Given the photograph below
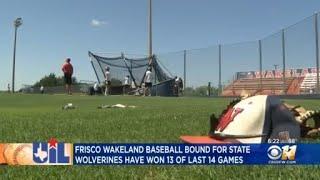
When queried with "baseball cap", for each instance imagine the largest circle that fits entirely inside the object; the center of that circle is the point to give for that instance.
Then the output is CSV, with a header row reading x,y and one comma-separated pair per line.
x,y
255,119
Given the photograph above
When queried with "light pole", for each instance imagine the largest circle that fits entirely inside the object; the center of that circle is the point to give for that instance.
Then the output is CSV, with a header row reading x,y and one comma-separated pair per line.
x,y
150,30
17,23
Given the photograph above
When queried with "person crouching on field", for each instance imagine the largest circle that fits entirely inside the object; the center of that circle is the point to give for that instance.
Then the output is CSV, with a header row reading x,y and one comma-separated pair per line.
x,y
148,82
107,81
67,69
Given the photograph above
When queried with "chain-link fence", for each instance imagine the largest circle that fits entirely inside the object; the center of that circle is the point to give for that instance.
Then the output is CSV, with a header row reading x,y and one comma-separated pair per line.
x,y
286,62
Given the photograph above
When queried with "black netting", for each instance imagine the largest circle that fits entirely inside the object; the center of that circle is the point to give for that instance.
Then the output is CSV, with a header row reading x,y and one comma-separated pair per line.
x,y
134,68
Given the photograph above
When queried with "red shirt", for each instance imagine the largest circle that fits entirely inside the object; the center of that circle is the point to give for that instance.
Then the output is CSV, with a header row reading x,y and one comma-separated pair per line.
x,y
67,68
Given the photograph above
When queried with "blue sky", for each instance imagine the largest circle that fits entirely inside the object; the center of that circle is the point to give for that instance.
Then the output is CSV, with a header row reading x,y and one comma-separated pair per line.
x,y
56,29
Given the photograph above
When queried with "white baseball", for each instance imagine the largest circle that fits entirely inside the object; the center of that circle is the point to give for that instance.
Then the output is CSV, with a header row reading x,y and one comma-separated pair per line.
x,y
18,154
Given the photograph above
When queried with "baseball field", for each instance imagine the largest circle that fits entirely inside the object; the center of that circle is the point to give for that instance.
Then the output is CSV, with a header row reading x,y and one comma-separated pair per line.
x,y
27,118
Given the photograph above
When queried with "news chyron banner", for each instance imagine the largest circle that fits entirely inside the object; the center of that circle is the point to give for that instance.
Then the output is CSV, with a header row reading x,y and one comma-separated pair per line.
x,y
58,153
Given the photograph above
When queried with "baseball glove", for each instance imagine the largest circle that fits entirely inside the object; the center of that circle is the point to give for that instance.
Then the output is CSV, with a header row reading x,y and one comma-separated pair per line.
x,y
309,120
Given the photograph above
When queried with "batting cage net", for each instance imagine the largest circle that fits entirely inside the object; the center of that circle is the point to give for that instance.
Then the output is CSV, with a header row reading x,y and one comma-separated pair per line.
x,y
122,66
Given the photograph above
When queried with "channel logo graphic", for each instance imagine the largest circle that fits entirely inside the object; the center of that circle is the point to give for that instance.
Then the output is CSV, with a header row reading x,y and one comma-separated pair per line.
x,y
52,153
283,153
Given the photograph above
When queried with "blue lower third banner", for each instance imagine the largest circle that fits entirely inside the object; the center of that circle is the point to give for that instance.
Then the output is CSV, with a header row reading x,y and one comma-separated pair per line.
x,y
60,153
186,154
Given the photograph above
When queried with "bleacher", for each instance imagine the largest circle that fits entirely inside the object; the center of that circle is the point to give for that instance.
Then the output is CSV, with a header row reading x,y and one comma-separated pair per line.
x,y
309,83
252,86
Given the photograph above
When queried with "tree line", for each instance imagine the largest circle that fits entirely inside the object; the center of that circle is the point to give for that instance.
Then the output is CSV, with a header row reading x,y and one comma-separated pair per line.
x,y
201,91
52,80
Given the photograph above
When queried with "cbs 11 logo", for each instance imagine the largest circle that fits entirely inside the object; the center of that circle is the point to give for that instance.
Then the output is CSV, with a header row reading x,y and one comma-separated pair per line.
x,y
284,153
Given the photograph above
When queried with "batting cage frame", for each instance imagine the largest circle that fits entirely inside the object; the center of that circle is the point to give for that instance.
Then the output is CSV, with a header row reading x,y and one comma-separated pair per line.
x,y
122,66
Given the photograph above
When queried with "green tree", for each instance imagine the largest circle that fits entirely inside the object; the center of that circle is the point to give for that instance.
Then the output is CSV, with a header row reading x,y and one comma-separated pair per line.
x,y
115,82
200,91
189,91
52,80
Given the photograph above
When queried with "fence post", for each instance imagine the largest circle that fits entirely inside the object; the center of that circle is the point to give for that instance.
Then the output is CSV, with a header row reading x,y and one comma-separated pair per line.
x,y
317,48
184,68
220,85
155,77
260,65
283,63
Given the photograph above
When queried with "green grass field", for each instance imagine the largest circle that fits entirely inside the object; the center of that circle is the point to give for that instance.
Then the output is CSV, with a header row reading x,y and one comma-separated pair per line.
x,y
29,118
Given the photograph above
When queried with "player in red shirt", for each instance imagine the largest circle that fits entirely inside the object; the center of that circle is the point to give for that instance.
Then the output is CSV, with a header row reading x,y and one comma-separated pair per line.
x,y
67,69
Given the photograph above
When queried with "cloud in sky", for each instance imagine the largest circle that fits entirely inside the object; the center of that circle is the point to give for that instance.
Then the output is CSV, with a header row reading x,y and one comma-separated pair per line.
x,y
97,23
